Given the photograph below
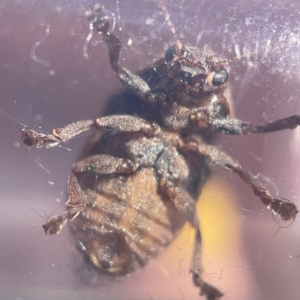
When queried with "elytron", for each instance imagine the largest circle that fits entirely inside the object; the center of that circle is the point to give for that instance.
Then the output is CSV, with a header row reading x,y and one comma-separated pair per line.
x,y
140,175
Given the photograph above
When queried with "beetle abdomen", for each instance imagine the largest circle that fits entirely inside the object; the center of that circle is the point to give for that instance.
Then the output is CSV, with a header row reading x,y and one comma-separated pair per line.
x,y
126,221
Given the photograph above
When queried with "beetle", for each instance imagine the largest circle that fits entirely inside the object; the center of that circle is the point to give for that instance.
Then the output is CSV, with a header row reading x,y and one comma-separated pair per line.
x,y
140,175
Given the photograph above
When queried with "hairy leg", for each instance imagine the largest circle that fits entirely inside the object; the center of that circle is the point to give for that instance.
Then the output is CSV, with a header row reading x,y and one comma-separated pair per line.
x,y
284,208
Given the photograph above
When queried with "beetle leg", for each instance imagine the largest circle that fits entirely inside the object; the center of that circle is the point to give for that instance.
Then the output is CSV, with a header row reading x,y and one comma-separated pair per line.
x,y
97,15
206,289
235,126
76,203
284,208
187,205
121,123
172,171
181,200
126,123
105,164
100,164
31,138
290,122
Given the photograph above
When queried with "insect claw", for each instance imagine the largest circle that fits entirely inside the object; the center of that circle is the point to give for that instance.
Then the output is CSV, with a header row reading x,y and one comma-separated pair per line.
x,y
210,292
96,15
286,209
32,138
29,137
55,224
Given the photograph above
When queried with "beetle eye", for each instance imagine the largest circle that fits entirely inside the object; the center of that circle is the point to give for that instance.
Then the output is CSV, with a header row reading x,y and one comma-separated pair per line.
x,y
185,75
170,54
220,77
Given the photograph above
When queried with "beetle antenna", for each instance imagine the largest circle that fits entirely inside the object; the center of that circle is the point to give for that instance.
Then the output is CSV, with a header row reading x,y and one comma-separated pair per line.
x,y
177,43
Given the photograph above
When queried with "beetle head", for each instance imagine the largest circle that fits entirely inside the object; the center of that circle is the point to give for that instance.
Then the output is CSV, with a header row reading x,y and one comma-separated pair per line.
x,y
195,72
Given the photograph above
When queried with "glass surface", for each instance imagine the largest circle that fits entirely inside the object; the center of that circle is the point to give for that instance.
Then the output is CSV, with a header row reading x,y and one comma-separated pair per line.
x,y
47,82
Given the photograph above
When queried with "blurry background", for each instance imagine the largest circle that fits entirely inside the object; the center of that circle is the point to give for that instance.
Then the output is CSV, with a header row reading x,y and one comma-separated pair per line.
x,y
46,82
